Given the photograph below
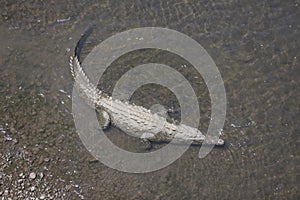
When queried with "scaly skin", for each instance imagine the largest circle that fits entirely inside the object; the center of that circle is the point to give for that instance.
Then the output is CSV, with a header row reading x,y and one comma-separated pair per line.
x,y
136,120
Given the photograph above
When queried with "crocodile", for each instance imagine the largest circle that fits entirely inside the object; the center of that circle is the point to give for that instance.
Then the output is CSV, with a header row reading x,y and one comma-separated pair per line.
x,y
135,120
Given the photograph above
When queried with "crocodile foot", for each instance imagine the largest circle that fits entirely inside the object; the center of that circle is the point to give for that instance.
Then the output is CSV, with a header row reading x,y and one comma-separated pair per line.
x,y
146,144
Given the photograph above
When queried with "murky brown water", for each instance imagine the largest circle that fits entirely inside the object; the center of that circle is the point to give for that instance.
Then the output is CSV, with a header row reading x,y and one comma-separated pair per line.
x,y
256,47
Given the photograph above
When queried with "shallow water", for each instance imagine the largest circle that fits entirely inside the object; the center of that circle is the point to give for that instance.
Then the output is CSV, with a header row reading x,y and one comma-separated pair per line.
x,y
256,47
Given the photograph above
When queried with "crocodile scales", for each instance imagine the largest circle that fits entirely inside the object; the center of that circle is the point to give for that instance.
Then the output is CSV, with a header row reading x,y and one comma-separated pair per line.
x,y
135,120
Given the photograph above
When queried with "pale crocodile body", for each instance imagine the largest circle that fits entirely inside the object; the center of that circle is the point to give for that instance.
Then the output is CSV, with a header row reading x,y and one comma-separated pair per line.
x,y
134,120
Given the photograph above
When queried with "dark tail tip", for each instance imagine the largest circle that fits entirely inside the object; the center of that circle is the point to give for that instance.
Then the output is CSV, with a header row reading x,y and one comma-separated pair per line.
x,y
82,40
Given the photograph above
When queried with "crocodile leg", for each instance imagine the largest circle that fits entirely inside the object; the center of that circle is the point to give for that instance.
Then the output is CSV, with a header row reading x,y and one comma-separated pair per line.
x,y
105,120
146,144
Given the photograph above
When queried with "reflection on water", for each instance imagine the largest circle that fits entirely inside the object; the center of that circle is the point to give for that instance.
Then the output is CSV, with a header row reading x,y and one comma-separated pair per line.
x,y
255,46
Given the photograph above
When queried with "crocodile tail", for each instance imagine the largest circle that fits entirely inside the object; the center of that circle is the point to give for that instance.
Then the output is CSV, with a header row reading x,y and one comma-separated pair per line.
x,y
83,83
78,48
72,67
83,38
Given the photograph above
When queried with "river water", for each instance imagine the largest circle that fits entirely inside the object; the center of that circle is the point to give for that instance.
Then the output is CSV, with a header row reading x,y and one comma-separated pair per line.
x,y
255,45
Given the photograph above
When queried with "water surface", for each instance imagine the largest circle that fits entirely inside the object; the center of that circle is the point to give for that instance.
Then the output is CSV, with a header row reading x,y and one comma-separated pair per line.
x,y
255,45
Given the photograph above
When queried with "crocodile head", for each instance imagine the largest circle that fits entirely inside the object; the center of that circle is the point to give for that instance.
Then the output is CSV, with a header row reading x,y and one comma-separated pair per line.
x,y
189,133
